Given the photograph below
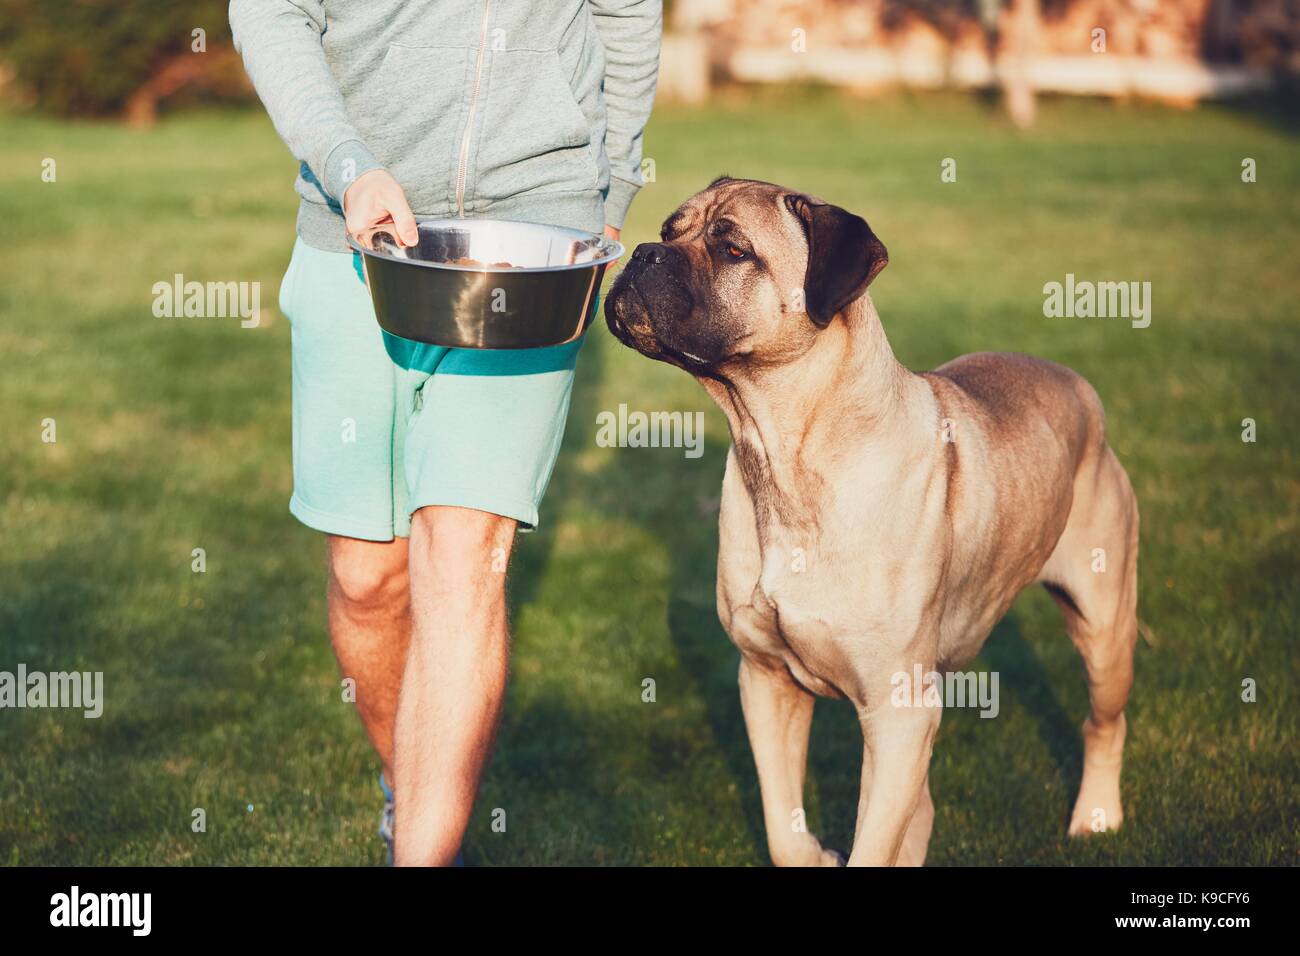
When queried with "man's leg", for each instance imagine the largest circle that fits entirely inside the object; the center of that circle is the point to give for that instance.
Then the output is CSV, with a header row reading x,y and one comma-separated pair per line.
x,y
455,676
370,628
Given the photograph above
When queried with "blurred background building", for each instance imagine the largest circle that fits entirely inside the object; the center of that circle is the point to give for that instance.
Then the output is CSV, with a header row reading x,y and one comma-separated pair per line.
x,y
1179,51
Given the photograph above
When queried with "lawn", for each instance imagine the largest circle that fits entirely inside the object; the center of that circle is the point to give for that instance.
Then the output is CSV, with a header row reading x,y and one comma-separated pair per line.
x,y
221,691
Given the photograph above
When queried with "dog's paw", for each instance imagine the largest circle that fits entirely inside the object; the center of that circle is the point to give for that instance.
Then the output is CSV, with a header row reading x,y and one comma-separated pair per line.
x,y
1088,819
805,850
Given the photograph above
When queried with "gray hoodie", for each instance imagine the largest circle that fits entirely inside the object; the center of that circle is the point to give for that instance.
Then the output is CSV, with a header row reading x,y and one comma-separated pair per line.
x,y
510,109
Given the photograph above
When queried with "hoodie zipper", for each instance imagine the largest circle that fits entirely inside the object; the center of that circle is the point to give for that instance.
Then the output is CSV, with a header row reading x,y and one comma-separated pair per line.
x,y
462,167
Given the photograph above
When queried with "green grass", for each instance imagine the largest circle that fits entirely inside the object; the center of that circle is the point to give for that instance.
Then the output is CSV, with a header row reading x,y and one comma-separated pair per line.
x,y
221,689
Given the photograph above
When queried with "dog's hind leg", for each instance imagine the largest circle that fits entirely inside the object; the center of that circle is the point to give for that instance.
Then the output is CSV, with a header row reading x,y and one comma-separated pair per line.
x,y
1092,574
778,716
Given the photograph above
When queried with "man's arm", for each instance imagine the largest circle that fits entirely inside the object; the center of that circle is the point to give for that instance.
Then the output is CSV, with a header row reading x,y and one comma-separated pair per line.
x,y
630,31
280,41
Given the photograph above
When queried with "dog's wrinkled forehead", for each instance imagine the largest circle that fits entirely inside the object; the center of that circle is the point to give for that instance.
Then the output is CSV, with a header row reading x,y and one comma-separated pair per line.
x,y
752,207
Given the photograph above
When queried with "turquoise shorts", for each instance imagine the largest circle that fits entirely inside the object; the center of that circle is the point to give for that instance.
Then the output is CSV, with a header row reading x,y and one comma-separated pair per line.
x,y
383,426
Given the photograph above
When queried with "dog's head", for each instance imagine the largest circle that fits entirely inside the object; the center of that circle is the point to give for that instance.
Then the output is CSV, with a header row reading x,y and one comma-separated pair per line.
x,y
745,271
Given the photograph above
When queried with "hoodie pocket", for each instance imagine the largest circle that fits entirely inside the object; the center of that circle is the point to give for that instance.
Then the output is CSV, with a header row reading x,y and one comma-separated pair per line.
x,y
418,100
534,137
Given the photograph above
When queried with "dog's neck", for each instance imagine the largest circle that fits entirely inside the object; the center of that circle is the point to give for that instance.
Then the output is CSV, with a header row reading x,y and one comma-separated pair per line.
x,y
787,419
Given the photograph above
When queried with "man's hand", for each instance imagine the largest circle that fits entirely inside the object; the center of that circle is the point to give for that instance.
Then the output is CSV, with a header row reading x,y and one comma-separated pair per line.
x,y
612,232
374,198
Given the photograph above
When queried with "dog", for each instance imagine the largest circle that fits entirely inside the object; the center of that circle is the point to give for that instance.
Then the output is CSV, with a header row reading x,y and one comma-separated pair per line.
x,y
874,519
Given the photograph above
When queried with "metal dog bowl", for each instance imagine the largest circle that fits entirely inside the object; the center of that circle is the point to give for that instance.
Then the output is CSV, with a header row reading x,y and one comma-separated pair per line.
x,y
529,284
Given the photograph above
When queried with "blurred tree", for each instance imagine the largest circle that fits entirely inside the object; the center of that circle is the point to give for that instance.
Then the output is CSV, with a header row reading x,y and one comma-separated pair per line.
x,y
1020,26
105,57
1011,29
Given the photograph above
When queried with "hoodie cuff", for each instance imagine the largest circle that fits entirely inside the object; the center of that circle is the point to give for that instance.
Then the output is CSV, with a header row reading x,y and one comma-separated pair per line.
x,y
618,199
344,163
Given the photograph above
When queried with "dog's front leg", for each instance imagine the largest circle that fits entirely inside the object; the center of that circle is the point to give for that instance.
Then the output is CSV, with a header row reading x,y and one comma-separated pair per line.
x,y
778,716
895,764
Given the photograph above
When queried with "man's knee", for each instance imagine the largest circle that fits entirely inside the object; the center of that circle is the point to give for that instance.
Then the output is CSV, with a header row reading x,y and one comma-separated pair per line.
x,y
368,575
459,547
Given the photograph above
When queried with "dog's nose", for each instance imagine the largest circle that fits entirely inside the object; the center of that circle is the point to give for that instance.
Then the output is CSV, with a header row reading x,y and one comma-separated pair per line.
x,y
650,253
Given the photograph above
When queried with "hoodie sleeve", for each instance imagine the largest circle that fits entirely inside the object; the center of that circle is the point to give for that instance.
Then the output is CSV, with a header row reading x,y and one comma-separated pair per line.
x,y
280,41
630,31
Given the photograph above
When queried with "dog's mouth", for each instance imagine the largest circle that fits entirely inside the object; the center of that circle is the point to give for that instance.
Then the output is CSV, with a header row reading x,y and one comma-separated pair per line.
x,y
618,315
625,301
691,363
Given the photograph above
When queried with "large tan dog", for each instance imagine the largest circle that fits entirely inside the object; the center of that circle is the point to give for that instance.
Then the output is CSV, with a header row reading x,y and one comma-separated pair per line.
x,y
874,519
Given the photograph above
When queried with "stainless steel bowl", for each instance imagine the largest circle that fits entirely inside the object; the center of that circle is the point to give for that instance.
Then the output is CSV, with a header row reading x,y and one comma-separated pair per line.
x,y
546,296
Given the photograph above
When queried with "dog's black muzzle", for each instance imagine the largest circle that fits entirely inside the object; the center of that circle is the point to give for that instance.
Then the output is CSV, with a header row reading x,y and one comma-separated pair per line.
x,y
651,308
650,289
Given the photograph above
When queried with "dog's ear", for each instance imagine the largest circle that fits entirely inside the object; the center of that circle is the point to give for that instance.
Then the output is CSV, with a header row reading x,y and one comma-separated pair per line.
x,y
844,255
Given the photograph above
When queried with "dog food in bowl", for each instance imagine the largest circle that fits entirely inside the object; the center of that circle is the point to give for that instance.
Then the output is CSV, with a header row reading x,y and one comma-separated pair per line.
x,y
467,261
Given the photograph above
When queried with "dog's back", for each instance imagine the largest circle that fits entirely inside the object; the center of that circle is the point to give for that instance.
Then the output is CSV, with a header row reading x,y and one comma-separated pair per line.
x,y
1019,392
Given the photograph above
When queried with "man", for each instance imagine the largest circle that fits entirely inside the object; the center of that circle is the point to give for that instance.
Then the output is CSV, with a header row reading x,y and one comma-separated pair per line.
x,y
421,462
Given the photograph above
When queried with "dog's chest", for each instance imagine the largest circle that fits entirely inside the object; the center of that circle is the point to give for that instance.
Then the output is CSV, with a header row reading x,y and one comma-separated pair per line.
x,y
782,619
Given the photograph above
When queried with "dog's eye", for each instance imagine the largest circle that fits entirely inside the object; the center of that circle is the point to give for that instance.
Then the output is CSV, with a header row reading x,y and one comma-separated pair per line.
x,y
733,252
